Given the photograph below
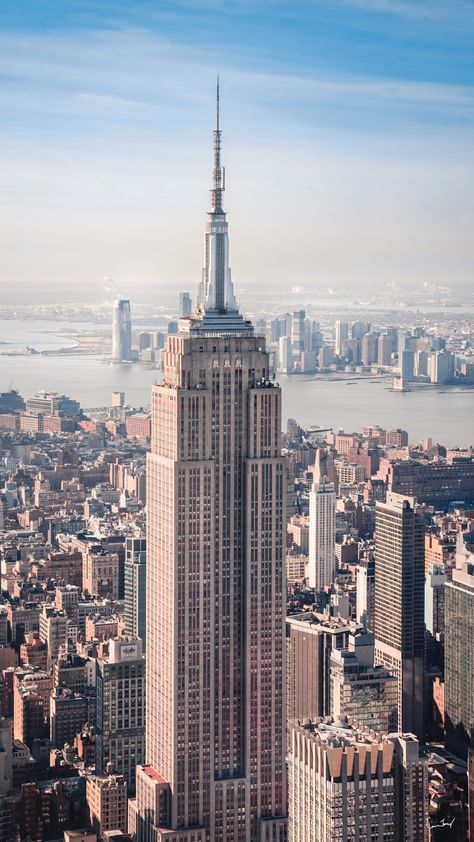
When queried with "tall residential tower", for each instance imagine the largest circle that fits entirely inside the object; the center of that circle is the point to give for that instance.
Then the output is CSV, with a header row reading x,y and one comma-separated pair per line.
x,y
215,740
321,567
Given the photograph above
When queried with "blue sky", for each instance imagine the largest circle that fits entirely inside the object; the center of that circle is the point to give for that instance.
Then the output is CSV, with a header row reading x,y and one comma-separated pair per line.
x,y
348,132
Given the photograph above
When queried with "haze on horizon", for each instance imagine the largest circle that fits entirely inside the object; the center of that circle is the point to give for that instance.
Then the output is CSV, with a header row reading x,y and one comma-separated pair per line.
x,y
347,140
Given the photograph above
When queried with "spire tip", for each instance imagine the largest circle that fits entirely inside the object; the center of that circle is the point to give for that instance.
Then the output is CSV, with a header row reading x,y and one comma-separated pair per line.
x,y
218,171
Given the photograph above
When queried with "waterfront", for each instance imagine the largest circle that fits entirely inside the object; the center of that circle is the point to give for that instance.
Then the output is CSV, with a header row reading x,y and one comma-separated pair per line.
x,y
444,414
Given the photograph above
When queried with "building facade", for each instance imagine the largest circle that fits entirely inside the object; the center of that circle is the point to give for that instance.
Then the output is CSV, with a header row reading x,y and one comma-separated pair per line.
x,y
135,588
347,784
185,305
101,572
470,782
341,337
399,604
68,712
53,625
322,534
341,785
107,803
435,483
121,331
215,574
311,640
120,686
459,647
366,694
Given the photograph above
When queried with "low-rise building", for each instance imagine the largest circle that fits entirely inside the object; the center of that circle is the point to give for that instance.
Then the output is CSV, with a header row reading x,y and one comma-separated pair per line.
x,y
101,572
53,631
68,713
107,803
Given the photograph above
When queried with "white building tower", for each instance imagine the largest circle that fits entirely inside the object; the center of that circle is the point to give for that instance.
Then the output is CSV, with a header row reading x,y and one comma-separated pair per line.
x,y
321,566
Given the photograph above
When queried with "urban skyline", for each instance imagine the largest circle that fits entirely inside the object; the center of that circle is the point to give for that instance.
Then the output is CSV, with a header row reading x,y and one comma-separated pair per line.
x,y
220,622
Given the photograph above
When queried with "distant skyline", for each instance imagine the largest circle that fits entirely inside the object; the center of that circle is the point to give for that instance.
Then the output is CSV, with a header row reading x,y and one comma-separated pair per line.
x,y
347,140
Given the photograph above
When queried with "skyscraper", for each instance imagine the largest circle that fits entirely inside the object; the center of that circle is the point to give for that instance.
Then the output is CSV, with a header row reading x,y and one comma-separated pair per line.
x,y
359,329
369,348
121,330
470,785
364,693
347,784
311,640
384,352
342,334
459,647
297,335
322,533
399,604
185,305
441,367
341,784
135,588
285,355
121,708
407,365
365,587
215,740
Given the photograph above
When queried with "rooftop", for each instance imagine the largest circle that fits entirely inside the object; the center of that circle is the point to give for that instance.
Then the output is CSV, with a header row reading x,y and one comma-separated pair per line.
x,y
153,774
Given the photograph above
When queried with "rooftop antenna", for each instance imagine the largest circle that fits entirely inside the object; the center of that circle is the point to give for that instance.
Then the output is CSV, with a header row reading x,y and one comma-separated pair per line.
x,y
218,172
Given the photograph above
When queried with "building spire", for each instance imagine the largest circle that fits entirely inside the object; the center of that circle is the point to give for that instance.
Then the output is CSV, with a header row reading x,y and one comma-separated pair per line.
x,y
218,172
217,305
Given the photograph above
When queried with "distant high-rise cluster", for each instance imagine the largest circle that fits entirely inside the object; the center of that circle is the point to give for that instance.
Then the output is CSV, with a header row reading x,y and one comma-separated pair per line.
x,y
299,344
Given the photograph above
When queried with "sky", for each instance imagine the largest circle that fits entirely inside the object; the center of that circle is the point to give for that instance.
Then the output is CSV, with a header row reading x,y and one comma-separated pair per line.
x,y
347,140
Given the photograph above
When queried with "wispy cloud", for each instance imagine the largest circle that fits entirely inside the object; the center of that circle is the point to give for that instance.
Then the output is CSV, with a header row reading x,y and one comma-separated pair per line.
x,y
104,101
359,90
455,12
156,77
107,133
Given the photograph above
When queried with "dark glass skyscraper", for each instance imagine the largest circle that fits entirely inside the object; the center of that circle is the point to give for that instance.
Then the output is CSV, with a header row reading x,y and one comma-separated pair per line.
x,y
399,604
122,331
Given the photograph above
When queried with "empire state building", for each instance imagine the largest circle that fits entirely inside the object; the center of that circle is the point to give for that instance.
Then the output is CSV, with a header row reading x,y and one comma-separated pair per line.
x,y
215,729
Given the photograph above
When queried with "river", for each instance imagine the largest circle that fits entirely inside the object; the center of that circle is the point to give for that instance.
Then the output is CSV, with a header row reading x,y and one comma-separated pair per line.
x,y
446,415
